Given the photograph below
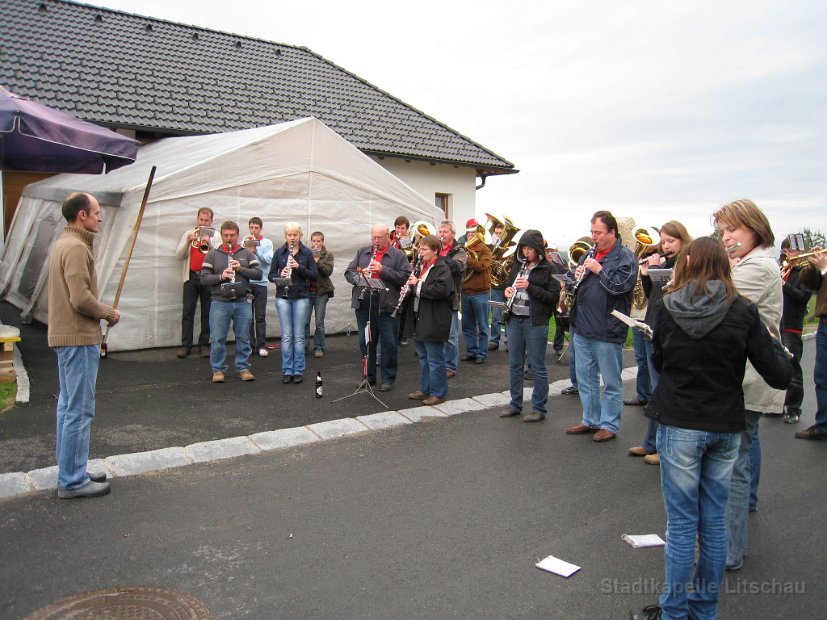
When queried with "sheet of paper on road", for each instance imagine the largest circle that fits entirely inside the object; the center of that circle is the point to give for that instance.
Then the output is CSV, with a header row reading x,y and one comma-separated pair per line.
x,y
557,566
639,541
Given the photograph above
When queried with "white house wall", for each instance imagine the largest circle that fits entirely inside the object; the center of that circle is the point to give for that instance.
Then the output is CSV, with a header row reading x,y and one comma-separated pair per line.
x,y
429,180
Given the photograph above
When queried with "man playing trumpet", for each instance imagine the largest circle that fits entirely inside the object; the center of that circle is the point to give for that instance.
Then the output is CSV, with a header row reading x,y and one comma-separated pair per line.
x,y
192,249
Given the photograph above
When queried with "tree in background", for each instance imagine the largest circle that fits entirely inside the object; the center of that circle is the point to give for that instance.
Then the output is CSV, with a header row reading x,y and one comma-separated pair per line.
x,y
814,238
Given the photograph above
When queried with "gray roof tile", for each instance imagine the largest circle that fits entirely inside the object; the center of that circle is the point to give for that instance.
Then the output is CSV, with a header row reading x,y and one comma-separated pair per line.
x,y
109,67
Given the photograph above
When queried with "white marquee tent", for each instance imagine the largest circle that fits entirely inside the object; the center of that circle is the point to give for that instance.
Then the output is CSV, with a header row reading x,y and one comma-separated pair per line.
x,y
298,171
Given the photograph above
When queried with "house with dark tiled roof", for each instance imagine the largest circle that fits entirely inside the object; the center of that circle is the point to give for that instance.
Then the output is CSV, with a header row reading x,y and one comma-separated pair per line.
x,y
152,78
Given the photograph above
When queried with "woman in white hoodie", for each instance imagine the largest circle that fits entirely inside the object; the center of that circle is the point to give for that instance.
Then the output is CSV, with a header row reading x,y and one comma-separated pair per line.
x,y
749,241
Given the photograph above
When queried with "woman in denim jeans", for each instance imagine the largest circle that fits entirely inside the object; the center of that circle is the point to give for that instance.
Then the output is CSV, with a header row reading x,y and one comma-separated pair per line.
x,y
704,332
295,262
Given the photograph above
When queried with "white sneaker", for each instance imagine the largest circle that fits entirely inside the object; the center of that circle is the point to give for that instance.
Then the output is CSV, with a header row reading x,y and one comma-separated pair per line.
x,y
262,352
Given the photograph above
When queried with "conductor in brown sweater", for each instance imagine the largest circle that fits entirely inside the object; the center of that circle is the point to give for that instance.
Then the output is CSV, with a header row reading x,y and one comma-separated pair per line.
x,y
75,334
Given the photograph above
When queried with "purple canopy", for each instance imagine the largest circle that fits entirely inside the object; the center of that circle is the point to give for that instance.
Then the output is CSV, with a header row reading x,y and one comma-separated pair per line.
x,y
35,138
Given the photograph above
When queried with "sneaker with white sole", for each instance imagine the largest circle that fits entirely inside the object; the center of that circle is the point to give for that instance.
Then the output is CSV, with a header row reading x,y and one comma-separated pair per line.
x,y
262,352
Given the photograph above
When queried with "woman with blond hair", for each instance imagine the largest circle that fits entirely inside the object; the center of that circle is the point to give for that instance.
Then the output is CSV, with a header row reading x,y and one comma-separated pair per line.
x,y
293,261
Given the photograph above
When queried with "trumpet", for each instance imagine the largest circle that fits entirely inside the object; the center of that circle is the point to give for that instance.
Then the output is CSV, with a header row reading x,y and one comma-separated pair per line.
x,y
788,262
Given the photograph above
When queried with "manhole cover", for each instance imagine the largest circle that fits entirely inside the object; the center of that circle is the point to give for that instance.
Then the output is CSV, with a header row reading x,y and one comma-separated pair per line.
x,y
132,603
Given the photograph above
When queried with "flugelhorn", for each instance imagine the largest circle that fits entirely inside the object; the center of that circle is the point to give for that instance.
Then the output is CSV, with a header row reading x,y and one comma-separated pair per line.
x,y
202,239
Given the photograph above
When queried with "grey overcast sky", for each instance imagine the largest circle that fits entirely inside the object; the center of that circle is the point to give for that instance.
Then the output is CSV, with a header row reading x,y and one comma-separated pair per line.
x,y
654,110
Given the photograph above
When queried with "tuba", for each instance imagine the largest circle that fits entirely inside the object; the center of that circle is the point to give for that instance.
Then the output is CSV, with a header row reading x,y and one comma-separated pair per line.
x,y
502,263
646,240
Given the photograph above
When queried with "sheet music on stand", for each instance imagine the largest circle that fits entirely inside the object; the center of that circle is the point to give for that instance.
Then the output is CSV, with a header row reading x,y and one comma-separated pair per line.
x,y
371,284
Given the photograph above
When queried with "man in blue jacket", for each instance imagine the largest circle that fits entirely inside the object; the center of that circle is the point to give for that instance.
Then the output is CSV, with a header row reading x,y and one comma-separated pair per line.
x,y
607,276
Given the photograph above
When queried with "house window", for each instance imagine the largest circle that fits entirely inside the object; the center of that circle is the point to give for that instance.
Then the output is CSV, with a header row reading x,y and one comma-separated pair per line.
x,y
443,202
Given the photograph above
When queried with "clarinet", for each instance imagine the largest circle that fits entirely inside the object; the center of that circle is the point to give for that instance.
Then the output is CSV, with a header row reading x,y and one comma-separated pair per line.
x,y
289,268
520,274
372,258
403,292
572,294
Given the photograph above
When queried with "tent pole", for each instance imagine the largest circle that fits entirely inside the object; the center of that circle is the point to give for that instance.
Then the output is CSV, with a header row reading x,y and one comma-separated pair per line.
x,y
129,253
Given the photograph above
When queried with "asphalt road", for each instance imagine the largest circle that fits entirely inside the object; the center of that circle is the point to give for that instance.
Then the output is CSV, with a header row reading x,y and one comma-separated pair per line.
x,y
439,519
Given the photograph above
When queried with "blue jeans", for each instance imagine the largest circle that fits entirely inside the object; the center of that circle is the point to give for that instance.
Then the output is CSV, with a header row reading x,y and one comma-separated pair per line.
x,y
695,469
497,294
475,311
452,346
318,304
78,373
820,376
221,313
650,441
738,508
596,358
643,383
385,329
527,343
432,379
292,316
572,364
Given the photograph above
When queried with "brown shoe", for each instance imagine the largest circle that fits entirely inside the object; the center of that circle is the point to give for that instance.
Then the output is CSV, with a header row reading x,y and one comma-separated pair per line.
x,y
534,417
812,432
433,400
638,451
580,429
183,352
204,351
452,373
218,377
603,435
509,412
417,395
652,459
246,375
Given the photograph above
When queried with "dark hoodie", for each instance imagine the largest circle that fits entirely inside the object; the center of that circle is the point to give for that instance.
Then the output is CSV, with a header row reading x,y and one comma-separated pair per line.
x,y
701,345
543,290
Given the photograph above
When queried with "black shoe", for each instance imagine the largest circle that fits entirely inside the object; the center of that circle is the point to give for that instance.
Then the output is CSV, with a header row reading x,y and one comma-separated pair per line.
x,y
287,379
791,418
650,612
297,378
479,360
468,358
569,391
386,387
493,346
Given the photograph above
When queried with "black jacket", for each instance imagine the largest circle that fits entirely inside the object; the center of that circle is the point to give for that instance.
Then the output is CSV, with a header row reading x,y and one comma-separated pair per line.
x,y
700,349
432,320
543,290
300,277
395,272
796,296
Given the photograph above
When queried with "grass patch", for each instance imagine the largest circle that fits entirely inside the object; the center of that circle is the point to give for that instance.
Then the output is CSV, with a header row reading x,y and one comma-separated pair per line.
x,y
8,392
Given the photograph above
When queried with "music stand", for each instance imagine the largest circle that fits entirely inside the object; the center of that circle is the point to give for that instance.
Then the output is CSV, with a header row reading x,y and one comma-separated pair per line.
x,y
369,285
